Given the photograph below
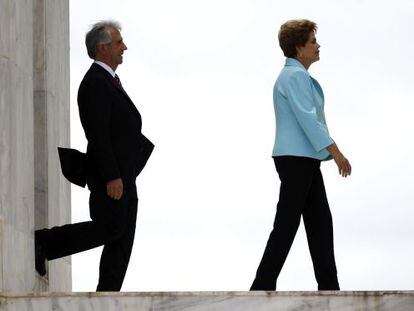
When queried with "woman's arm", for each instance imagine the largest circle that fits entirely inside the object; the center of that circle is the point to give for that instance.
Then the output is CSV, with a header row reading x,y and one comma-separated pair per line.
x,y
343,164
299,94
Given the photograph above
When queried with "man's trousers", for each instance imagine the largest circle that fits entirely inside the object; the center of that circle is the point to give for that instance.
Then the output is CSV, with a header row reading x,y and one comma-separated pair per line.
x,y
113,225
302,193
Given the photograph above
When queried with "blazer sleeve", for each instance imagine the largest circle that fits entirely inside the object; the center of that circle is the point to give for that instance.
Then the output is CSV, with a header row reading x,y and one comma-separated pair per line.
x,y
300,97
95,112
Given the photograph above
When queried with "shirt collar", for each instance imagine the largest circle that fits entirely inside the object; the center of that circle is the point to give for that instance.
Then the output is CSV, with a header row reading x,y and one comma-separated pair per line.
x,y
294,62
106,67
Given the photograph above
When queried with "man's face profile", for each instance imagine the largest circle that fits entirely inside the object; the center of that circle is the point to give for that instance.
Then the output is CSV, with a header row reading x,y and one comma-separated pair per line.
x,y
113,52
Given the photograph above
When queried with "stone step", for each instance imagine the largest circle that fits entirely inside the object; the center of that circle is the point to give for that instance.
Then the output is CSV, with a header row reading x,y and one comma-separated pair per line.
x,y
211,301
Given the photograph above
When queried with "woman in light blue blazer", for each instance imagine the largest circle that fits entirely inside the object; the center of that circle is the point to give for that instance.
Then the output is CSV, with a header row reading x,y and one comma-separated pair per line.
x,y
302,142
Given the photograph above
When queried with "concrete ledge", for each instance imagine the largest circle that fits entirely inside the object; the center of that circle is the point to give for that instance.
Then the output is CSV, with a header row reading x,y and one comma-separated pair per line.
x,y
211,301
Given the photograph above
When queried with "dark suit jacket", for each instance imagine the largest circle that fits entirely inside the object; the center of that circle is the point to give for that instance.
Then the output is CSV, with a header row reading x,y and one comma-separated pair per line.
x,y
112,124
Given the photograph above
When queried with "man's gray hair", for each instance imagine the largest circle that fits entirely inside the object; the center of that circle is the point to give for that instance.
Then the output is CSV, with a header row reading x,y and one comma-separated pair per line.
x,y
100,33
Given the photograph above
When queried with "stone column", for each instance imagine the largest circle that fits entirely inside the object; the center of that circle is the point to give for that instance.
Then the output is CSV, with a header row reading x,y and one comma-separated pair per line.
x,y
51,124
34,120
16,146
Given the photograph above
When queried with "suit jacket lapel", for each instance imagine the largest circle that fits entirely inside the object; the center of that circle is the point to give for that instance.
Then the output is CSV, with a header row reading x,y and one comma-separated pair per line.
x,y
107,75
120,88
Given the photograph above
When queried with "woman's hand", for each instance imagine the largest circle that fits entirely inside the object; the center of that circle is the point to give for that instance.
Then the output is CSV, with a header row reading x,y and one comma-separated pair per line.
x,y
343,164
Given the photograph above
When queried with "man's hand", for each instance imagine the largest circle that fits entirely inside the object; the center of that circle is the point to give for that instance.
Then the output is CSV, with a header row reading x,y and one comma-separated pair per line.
x,y
115,188
343,164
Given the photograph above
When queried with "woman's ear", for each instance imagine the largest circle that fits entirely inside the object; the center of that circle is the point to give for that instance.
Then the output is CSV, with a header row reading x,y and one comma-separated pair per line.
x,y
298,52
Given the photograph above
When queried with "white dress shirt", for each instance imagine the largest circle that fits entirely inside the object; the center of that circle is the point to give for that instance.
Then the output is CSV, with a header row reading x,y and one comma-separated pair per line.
x,y
106,67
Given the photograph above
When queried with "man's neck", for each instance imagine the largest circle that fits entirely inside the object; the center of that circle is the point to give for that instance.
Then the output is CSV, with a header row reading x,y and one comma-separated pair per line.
x,y
106,62
105,66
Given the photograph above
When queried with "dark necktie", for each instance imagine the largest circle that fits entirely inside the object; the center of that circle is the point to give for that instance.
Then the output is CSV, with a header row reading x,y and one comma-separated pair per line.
x,y
118,80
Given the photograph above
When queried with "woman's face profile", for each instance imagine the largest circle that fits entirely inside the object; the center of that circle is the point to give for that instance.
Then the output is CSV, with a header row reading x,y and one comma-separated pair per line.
x,y
309,53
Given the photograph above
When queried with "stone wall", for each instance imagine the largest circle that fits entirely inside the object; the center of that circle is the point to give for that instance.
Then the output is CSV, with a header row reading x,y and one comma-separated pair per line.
x,y
34,120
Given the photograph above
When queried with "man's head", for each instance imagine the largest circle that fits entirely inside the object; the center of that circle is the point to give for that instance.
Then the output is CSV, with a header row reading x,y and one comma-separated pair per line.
x,y
104,43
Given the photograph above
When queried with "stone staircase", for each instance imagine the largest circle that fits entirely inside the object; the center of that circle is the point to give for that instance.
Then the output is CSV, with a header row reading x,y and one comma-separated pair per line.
x,y
211,301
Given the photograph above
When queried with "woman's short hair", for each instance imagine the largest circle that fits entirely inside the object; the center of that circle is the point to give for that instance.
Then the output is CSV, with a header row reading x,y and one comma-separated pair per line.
x,y
295,33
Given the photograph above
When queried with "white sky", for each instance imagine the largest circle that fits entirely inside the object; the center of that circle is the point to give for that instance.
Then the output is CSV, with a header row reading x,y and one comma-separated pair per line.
x,y
201,73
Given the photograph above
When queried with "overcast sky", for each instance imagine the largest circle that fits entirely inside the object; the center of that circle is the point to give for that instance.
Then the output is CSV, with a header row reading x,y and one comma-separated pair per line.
x,y
201,73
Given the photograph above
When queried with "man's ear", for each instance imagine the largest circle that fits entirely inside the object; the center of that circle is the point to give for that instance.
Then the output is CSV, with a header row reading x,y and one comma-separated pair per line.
x,y
100,49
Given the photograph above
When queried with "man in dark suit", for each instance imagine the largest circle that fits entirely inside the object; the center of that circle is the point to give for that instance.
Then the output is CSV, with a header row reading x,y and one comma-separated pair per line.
x,y
115,155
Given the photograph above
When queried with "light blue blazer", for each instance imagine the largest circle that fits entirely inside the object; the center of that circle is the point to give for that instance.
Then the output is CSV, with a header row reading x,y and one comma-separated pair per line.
x,y
301,128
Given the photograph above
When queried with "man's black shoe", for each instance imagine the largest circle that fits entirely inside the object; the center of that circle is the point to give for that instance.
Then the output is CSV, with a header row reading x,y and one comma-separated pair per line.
x,y
40,255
